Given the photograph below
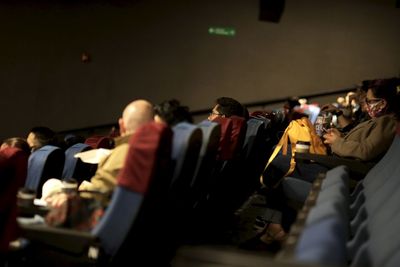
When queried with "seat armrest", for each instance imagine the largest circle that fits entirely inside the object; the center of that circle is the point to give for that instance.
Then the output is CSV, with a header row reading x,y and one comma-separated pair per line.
x,y
357,168
30,211
72,241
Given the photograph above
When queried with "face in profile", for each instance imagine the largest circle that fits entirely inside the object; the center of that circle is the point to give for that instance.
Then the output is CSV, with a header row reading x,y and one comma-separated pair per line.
x,y
375,106
32,141
214,114
158,119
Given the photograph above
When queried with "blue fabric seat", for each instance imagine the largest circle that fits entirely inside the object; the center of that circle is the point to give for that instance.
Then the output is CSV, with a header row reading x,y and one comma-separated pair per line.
x,y
186,144
74,167
44,163
207,160
322,242
255,153
372,239
130,218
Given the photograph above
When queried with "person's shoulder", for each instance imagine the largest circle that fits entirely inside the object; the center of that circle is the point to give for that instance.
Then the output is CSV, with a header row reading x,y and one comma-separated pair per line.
x,y
387,118
386,123
120,140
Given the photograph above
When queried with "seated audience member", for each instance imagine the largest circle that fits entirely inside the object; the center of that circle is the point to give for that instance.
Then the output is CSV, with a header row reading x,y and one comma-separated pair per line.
x,y
227,107
344,117
350,112
291,110
172,112
136,114
40,136
14,153
311,110
17,142
72,139
368,142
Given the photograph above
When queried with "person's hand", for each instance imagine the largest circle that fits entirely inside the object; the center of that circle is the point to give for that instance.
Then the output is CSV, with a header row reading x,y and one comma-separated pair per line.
x,y
59,207
331,136
85,185
329,108
56,200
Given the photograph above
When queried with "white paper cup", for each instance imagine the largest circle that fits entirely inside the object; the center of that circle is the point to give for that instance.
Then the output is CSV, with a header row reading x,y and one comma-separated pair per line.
x,y
302,147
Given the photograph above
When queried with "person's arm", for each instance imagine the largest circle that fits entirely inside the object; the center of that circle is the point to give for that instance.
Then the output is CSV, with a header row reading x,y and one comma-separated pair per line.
x,y
342,120
105,177
367,141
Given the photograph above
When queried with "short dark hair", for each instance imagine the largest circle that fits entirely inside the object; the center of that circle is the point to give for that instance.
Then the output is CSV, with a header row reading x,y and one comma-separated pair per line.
x,y
231,107
44,135
172,112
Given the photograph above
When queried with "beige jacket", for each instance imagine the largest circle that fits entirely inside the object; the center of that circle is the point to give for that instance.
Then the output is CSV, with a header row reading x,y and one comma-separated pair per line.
x,y
105,178
369,140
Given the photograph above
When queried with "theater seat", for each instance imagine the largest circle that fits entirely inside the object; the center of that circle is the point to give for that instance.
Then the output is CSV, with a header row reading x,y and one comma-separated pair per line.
x,y
74,167
127,229
44,163
186,146
371,237
207,159
98,141
224,151
13,169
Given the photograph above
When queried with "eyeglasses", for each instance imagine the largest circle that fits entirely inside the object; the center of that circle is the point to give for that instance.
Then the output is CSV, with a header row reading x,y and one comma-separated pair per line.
x,y
214,113
373,100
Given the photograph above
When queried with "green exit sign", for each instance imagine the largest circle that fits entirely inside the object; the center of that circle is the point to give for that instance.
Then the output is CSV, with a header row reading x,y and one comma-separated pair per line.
x,y
226,31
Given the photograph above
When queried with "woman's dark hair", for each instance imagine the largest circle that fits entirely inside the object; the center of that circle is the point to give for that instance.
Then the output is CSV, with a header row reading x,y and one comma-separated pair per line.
x,y
18,142
387,89
172,112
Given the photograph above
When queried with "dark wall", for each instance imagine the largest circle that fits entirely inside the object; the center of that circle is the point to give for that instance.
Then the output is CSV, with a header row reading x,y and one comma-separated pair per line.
x,y
158,49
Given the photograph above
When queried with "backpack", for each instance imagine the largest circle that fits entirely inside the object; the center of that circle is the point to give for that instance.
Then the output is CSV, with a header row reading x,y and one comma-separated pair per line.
x,y
297,130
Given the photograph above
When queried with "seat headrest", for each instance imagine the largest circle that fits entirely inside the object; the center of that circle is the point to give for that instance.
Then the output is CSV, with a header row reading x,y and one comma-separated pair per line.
x,y
149,147
224,150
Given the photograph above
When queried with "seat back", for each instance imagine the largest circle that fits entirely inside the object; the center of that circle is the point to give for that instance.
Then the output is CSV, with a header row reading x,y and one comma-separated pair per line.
x,y
13,169
382,211
44,163
255,130
186,146
207,157
255,153
98,141
139,198
224,151
238,135
322,242
220,200
374,240
75,167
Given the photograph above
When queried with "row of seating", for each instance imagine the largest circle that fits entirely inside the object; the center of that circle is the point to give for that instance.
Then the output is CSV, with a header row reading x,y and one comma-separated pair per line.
x,y
341,227
52,162
167,175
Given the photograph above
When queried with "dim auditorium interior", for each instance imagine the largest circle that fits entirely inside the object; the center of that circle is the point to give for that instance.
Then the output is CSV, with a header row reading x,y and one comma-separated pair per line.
x,y
199,192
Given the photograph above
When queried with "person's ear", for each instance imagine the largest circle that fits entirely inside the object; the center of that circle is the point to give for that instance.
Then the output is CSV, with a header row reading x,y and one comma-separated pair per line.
x,y
384,103
122,128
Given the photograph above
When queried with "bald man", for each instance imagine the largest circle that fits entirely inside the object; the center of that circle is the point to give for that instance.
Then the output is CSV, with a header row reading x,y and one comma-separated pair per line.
x,y
135,114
